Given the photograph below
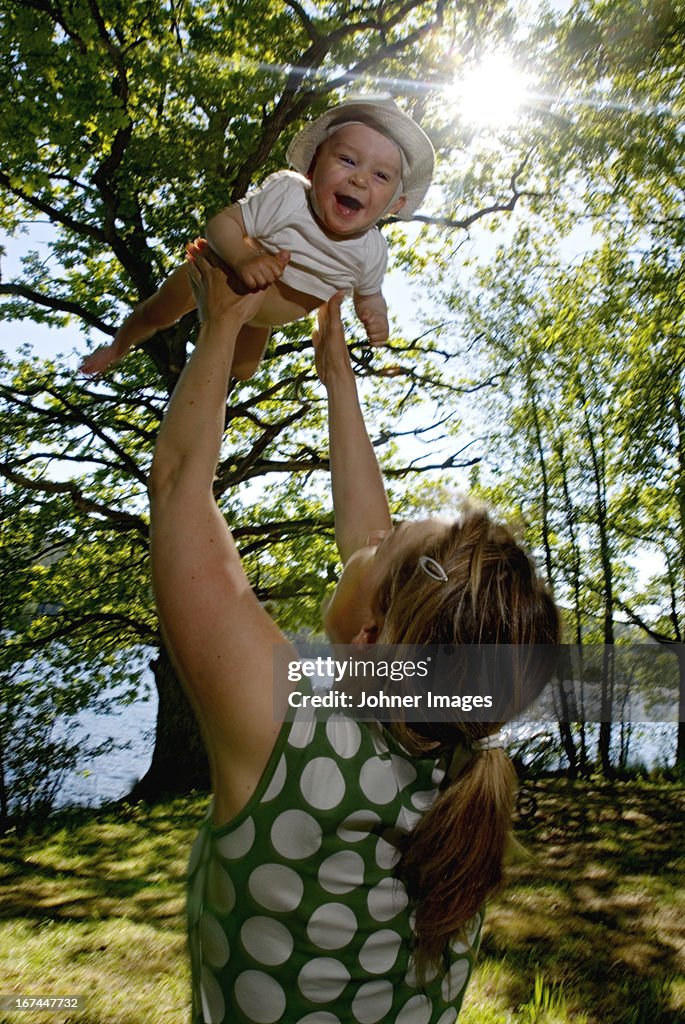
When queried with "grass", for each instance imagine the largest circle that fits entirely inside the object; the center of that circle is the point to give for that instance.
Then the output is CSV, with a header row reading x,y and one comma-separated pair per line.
x,y
95,907
591,929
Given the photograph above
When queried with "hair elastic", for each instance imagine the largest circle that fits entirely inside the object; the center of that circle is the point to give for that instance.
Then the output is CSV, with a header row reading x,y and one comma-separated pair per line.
x,y
495,741
432,569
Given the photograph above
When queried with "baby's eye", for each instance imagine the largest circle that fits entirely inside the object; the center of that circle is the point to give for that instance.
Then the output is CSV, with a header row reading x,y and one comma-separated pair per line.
x,y
382,175
347,159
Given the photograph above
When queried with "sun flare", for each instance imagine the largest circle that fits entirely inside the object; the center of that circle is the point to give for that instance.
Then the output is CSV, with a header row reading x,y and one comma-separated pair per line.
x,y
492,92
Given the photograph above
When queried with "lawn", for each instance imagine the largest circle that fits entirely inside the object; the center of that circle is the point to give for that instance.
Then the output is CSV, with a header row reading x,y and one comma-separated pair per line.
x,y
591,929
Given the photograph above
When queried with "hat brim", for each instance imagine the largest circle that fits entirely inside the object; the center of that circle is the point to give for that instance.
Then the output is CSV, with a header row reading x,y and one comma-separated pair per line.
x,y
389,120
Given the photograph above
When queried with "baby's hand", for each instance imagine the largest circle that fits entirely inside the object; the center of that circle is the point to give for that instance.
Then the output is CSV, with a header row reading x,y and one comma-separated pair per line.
x,y
259,271
376,326
373,313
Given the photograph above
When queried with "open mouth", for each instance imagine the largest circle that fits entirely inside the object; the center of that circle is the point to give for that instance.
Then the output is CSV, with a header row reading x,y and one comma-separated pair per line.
x,y
349,202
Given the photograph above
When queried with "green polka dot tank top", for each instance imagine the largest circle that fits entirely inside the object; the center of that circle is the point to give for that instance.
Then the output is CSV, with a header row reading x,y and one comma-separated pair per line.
x,y
295,915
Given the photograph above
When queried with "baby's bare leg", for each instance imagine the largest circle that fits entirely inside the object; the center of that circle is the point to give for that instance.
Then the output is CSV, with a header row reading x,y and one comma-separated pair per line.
x,y
249,349
164,308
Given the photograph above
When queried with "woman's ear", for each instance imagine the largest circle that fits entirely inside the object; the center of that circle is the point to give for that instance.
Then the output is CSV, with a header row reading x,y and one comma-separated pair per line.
x,y
368,634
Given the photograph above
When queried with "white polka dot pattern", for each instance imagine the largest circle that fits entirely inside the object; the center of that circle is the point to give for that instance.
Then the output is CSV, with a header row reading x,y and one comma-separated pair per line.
x,y
468,942
213,1006
238,842
459,946
220,888
302,731
195,890
323,979
372,1002
387,899
377,781
379,952
407,820
276,887
267,941
357,826
332,926
405,772
417,1010
213,939
319,1017
196,852
473,929
295,914
296,835
344,735
341,872
277,781
430,974
387,855
259,996
377,738
322,784
423,799
454,980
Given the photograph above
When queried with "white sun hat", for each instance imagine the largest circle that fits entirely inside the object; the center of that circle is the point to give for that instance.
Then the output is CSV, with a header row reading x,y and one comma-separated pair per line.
x,y
382,113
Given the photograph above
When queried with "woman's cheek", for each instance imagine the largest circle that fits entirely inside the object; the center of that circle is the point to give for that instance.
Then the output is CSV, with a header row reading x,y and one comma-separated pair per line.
x,y
350,607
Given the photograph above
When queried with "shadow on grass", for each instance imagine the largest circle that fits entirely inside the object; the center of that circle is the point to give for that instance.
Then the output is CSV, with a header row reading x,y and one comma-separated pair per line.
x,y
595,902
125,861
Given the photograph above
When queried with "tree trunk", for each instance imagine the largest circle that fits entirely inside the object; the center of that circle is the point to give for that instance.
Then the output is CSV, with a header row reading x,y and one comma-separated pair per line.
x,y
565,731
680,497
605,555
179,760
680,748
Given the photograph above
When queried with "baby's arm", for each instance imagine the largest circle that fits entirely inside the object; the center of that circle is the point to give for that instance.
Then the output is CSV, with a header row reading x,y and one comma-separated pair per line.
x,y
226,236
373,313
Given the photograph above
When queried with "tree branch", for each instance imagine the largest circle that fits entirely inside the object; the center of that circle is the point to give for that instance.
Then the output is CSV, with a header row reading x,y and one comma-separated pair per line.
x,y
57,16
307,23
60,305
245,464
55,214
654,634
80,416
121,521
146,633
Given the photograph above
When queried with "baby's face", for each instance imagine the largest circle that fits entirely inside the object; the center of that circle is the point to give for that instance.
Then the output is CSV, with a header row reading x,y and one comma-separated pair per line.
x,y
356,174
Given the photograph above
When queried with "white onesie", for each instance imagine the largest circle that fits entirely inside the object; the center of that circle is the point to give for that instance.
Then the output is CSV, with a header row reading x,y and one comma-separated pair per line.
x,y
278,215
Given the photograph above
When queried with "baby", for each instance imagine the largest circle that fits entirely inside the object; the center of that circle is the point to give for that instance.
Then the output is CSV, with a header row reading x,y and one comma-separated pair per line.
x,y
305,234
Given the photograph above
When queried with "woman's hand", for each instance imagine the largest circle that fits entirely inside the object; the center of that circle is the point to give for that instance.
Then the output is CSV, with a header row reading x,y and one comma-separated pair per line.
x,y
330,350
214,297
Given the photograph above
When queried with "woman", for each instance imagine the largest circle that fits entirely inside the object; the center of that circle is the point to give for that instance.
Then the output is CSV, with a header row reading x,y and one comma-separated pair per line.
x,y
341,872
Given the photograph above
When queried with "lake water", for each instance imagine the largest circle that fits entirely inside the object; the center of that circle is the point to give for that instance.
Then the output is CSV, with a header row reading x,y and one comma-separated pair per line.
x,y
112,775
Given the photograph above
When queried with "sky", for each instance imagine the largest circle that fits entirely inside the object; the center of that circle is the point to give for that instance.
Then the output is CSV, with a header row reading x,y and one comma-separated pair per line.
x,y
402,293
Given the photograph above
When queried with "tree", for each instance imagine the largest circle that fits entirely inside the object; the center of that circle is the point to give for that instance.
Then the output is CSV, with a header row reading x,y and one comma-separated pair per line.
x,y
124,127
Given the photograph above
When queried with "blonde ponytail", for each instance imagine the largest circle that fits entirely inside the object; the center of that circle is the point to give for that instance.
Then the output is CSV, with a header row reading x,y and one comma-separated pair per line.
x,y
453,860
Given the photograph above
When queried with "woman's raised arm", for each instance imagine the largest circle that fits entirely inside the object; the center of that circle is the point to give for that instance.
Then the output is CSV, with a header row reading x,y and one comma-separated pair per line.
x,y
219,636
359,499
